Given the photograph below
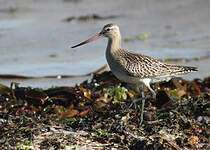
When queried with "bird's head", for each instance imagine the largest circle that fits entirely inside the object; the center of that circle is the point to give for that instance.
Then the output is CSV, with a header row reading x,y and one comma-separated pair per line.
x,y
110,31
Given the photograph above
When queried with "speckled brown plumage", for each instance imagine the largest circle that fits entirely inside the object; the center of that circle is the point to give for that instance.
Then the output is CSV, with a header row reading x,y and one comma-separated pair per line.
x,y
142,66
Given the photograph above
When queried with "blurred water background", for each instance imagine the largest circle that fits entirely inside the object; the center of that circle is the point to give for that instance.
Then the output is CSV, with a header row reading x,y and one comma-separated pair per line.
x,y
36,35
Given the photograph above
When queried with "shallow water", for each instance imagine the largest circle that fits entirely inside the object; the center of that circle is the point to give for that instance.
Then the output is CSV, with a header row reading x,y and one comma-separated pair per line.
x,y
35,40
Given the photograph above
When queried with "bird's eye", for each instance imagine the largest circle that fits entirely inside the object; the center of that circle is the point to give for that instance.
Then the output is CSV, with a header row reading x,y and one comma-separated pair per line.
x,y
108,29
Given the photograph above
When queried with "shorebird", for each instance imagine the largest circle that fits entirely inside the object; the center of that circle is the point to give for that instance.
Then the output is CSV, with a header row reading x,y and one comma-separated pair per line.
x,y
135,68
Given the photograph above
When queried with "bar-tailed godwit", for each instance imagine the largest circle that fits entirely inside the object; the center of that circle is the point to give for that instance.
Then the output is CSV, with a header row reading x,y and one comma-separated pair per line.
x,y
135,68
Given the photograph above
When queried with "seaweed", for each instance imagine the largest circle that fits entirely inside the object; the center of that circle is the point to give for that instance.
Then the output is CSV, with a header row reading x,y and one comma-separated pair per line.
x,y
97,115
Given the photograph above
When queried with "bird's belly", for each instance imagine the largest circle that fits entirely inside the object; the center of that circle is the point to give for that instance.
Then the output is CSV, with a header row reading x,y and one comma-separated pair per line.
x,y
123,76
160,79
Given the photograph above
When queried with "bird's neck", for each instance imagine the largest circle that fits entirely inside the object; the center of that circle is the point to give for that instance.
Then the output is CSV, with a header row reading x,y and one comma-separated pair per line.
x,y
114,44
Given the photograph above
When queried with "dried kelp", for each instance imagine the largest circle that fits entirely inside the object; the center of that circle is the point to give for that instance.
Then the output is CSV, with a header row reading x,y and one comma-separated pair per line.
x,y
98,115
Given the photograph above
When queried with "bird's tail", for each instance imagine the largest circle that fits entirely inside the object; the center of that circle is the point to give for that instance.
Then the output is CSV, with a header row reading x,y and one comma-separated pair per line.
x,y
182,69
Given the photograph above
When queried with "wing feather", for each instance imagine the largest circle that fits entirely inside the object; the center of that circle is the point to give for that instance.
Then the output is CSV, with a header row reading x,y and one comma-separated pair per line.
x,y
142,66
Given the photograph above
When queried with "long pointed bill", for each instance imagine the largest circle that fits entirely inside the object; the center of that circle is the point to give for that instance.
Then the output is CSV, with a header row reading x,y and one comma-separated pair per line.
x,y
89,40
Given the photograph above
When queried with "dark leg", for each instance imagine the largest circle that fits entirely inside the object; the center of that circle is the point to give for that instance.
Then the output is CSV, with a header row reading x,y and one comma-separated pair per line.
x,y
143,98
143,101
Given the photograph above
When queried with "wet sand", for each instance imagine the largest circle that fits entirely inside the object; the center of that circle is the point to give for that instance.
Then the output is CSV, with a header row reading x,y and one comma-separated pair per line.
x,y
35,39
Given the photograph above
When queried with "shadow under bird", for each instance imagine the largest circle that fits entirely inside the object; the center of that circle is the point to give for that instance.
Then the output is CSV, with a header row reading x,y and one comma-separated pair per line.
x,y
135,68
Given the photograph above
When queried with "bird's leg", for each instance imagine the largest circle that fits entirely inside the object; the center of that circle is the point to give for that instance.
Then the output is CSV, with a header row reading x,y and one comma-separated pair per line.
x,y
142,111
151,90
138,99
143,98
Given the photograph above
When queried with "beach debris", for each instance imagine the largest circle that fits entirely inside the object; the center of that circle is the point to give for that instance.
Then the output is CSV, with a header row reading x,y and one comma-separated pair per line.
x,y
97,113
90,17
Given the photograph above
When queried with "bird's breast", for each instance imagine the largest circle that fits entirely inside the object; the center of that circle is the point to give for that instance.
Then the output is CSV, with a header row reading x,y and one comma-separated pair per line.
x,y
117,67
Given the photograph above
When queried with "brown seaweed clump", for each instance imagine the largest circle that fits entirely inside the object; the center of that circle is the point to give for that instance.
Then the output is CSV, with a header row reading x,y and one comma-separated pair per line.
x,y
99,115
